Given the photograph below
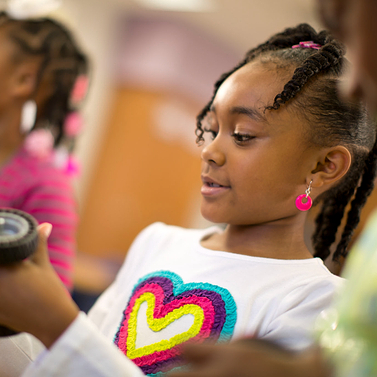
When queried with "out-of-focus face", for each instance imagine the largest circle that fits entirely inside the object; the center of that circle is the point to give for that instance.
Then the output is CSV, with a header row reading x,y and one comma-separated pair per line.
x,y
355,23
7,69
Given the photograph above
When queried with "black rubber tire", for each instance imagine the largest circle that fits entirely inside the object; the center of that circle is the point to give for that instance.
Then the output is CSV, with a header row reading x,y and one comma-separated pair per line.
x,y
17,246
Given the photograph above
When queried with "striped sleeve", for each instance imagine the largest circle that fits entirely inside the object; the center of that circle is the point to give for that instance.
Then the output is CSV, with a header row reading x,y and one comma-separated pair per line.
x,y
52,200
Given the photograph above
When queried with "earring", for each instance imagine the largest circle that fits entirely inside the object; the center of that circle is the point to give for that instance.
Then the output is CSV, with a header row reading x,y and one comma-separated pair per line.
x,y
28,116
299,200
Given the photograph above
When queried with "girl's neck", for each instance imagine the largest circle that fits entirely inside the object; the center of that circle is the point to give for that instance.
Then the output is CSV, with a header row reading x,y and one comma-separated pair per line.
x,y
283,239
11,138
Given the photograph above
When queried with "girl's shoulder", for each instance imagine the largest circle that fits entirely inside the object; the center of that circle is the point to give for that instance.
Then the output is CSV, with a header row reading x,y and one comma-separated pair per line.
x,y
23,159
24,172
316,276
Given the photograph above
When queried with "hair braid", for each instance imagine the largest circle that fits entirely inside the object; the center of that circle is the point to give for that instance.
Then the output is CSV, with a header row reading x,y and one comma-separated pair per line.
x,y
362,193
327,224
330,217
327,58
60,57
287,39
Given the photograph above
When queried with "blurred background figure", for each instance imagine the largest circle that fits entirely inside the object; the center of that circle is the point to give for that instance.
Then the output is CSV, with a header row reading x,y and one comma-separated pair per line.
x,y
43,81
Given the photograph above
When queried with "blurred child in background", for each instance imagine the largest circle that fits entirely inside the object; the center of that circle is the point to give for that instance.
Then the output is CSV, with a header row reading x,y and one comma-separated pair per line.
x,y
43,80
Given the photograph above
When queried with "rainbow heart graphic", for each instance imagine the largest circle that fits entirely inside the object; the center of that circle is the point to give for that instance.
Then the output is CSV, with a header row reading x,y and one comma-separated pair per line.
x,y
168,299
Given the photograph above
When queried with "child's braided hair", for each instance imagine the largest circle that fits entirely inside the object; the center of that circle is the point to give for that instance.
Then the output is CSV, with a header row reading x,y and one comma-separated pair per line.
x,y
60,56
333,121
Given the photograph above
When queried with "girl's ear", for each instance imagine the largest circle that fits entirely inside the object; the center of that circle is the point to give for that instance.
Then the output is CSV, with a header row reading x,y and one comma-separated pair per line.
x,y
25,78
332,165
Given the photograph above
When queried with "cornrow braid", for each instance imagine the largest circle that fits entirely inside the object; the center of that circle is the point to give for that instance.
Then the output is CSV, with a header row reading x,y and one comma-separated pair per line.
x,y
312,91
361,195
329,219
328,57
60,57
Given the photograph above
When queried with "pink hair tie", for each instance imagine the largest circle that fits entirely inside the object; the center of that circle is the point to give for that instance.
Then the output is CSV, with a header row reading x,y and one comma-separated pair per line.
x,y
308,44
73,124
40,143
79,89
72,168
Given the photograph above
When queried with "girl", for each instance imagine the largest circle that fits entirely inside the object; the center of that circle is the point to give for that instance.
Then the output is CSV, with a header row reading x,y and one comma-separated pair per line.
x,y
42,82
281,138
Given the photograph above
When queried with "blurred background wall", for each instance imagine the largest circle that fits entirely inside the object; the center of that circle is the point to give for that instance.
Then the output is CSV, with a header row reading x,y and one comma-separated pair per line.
x,y
153,69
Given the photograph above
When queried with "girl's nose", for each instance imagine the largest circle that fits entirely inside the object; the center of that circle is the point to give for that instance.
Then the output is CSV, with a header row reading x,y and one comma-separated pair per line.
x,y
212,154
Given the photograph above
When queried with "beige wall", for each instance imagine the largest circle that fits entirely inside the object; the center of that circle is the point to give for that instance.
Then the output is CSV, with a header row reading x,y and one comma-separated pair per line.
x,y
145,173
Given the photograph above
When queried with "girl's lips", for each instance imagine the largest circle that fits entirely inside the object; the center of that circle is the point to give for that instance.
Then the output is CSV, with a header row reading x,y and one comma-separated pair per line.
x,y
210,190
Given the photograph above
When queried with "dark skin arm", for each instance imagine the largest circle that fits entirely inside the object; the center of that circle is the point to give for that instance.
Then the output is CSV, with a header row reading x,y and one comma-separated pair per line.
x,y
251,358
32,297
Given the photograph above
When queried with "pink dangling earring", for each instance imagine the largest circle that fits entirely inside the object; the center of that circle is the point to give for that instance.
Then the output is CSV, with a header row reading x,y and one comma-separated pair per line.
x,y
299,200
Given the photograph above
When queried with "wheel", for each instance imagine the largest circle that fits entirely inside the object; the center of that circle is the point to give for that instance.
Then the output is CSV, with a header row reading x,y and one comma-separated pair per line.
x,y
18,240
18,235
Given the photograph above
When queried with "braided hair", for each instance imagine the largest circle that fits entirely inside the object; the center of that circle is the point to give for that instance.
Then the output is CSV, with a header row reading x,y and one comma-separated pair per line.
x,y
312,90
61,58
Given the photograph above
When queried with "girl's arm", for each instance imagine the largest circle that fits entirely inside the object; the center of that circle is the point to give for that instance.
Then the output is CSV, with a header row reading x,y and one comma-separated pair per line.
x,y
32,297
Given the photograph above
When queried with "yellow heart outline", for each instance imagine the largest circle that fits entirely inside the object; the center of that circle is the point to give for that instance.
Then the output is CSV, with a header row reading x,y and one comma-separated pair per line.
x,y
157,324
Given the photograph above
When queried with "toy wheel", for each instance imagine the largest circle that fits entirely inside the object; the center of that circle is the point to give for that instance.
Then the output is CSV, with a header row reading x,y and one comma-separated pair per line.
x,y
18,235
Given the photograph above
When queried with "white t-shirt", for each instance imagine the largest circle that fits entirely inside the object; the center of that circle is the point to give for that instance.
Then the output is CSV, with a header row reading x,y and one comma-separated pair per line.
x,y
171,290
16,352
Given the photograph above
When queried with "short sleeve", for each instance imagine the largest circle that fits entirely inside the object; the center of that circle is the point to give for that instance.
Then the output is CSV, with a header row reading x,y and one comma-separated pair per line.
x,y
83,351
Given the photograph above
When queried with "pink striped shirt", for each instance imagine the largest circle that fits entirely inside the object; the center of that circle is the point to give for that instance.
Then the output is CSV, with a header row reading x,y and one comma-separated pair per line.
x,y
39,188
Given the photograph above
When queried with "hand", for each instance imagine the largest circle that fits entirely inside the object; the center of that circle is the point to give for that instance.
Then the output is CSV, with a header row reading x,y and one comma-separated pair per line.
x,y
250,358
32,297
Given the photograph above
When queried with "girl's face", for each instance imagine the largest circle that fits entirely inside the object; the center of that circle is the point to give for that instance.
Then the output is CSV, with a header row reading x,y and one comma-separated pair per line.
x,y
7,68
258,162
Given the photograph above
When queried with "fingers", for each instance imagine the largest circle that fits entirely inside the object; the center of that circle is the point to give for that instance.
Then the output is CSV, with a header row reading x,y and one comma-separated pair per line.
x,y
199,358
45,228
40,256
186,374
197,353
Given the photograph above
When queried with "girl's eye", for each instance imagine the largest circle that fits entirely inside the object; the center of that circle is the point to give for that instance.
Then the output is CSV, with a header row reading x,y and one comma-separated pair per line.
x,y
242,138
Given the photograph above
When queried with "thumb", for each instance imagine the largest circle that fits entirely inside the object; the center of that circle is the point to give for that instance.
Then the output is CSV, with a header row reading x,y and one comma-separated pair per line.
x,y
40,256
